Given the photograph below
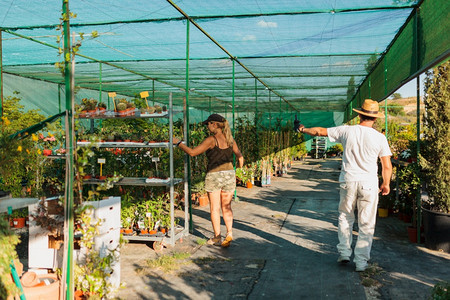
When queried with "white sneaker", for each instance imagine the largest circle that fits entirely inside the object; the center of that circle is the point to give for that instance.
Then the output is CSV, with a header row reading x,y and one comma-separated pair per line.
x,y
343,259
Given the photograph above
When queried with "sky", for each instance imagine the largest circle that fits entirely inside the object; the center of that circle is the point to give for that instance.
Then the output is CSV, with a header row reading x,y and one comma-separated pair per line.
x,y
409,89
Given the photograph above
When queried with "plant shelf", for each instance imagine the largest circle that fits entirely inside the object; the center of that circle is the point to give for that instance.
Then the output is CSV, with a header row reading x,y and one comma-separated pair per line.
x,y
138,181
125,144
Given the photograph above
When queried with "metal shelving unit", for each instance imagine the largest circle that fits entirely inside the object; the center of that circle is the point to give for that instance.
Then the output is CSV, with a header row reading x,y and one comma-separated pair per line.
x,y
175,232
319,146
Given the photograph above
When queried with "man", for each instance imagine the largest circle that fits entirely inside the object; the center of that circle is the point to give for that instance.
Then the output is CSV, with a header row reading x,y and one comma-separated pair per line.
x,y
359,179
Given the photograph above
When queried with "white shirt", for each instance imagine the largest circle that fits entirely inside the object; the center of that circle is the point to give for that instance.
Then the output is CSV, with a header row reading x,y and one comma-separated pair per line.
x,y
362,147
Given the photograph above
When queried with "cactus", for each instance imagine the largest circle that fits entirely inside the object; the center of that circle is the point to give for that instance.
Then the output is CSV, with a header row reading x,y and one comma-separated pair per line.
x,y
121,106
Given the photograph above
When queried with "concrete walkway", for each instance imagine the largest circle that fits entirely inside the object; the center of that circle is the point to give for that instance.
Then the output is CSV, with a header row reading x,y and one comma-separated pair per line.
x,y
285,248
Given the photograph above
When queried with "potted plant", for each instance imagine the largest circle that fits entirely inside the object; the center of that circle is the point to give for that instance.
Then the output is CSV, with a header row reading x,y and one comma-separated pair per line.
x,y
435,159
199,189
386,203
19,216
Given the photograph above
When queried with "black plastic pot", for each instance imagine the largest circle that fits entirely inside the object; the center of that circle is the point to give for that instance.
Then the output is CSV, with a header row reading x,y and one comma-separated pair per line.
x,y
437,230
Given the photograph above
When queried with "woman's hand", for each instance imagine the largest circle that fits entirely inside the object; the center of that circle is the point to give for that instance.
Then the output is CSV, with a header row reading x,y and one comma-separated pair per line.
x,y
175,140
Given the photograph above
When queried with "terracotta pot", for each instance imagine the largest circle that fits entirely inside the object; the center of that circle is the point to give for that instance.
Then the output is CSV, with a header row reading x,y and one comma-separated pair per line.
x,y
47,152
163,230
407,218
50,289
412,234
86,177
203,200
79,295
153,231
144,231
128,231
101,177
383,212
19,222
249,184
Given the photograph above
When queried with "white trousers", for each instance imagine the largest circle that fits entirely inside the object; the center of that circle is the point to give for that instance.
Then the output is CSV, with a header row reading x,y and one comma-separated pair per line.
x,y
364,196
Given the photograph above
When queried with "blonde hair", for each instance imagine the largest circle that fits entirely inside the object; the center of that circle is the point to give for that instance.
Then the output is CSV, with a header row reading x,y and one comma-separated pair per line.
x,y
225,126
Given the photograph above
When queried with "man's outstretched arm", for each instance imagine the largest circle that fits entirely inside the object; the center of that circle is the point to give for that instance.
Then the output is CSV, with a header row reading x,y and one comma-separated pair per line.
x,y
314,131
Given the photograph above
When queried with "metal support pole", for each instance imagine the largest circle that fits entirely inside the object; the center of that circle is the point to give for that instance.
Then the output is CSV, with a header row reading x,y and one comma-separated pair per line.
x,y
280,114
232,97
256,115
270,114
1,74
153,91
209,105
232,129
187,160
100,83
419,194
370,87
385,118
68,283
171,172
385,101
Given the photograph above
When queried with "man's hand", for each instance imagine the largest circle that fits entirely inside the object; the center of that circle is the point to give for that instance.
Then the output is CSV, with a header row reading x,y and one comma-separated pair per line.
x,y
384,189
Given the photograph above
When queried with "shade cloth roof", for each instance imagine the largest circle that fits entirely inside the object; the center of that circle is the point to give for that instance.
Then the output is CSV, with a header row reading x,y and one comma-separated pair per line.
x,y
288,55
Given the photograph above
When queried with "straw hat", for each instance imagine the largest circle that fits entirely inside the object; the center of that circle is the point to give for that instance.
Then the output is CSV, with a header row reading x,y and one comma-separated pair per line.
x,y
370,108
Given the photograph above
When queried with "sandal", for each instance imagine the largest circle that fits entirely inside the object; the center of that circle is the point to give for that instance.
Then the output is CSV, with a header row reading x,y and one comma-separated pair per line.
x,y
227,242
217,241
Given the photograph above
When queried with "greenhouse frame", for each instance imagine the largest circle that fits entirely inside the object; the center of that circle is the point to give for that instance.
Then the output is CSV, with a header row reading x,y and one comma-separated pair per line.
x,y
274,59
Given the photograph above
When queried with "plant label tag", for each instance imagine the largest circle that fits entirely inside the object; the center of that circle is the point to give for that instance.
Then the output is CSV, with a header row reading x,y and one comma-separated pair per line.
x,y
112,94
9,210
148,214
144,94
155,159
101,160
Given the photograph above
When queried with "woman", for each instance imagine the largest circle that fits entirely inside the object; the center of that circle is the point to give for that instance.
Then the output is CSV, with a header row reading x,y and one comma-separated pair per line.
x,y
220,180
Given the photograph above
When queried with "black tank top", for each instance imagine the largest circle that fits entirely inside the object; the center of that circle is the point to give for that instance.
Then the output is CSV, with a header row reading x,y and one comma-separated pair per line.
x,y
218,157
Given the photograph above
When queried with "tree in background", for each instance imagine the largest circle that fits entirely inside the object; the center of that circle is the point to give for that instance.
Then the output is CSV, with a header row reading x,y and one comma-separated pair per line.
x,y
435,157
396,96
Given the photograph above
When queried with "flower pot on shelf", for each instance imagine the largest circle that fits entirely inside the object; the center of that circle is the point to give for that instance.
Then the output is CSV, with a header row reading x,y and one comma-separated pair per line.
x,y
249,184
412,234
203,200
47,152
19,222
383,212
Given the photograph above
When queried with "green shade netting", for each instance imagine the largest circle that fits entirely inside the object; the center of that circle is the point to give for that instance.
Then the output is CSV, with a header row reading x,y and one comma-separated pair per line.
x,y
313,55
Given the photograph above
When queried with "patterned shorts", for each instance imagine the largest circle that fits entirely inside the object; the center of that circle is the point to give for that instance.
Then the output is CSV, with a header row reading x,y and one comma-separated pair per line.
x,y
222,180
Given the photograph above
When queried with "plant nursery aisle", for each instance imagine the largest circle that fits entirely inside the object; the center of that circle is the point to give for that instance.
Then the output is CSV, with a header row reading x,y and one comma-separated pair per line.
x,y
284,248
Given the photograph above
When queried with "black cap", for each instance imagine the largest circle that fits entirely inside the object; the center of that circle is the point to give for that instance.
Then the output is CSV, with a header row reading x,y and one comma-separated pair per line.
x,y
214,118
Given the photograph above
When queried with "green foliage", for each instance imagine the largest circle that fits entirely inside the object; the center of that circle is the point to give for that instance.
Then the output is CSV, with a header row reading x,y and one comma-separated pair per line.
x,y
441,291
409,187
436,151
8,242
396,110
169,262
17,156
335,149
20,213
396,96
92,273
